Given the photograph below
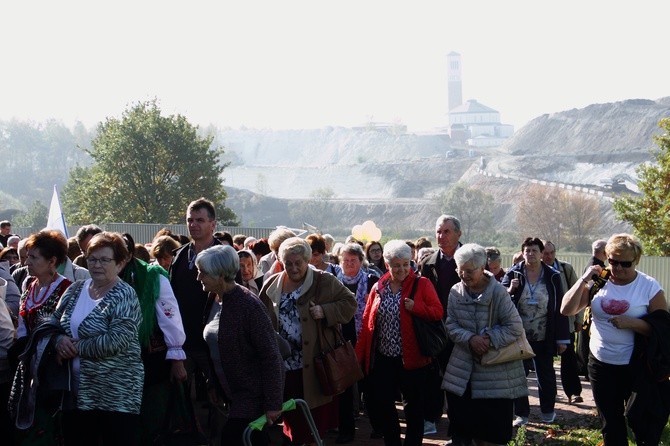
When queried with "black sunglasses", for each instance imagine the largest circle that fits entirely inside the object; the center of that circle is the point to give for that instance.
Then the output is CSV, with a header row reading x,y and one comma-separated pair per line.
x,y
626,264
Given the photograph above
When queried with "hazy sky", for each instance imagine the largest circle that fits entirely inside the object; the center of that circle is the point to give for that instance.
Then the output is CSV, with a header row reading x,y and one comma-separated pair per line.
x,y
308,64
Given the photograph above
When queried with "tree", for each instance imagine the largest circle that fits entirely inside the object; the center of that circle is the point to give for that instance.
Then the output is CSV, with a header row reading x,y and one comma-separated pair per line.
x,y
147,168
474,209
35,218
649,213
581,218
538,213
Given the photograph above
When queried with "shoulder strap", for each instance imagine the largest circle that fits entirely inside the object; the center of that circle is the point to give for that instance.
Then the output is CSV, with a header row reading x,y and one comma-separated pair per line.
x,y
414,285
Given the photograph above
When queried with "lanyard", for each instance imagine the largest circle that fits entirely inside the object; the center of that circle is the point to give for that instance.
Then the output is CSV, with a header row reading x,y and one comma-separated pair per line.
x,y
532,288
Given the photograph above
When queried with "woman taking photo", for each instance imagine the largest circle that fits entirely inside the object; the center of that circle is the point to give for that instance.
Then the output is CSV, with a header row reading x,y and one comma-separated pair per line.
x,y
481,398
619,310
242,347
536,291
299,298
101,317
387,347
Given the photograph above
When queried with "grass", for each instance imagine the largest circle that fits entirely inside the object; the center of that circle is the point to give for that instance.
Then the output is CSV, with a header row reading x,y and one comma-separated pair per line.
x,y
565,435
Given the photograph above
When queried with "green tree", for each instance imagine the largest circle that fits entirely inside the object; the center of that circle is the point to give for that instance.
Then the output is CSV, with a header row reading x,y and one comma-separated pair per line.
x,y
473,207
35,218
649,213
146,169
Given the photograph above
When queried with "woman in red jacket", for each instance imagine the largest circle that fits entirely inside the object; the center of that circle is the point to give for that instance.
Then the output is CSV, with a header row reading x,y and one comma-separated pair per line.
x,y
387,346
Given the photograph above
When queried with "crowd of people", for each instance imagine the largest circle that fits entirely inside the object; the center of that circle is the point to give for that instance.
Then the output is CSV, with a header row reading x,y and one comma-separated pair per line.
x,y
105,341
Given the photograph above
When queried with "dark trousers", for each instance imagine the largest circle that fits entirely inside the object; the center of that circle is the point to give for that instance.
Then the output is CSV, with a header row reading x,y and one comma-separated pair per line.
x,y
234,429
570,371
346,409
611,386
387,377
546,380
583,340
91,427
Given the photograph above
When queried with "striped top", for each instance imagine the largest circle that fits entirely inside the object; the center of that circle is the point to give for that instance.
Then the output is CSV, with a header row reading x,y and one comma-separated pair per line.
x,y
111,371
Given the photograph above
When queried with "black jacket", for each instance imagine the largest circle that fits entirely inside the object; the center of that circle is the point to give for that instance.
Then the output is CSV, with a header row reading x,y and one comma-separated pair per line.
x,y
648,407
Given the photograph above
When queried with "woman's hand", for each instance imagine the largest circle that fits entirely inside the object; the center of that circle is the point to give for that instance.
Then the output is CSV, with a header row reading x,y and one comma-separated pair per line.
x,y
66,348
316,311
623,322
513,285
272,416
560,348
409,304
479,344
177,371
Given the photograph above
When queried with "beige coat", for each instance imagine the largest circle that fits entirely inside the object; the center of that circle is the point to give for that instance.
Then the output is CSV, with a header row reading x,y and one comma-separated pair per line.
x,y
339,306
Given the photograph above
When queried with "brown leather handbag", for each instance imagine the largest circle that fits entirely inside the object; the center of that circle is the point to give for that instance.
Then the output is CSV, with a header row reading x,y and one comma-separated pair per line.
x,y
336,365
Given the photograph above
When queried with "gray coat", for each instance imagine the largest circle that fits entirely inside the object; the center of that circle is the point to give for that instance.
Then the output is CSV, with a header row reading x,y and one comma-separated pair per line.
x,y
467,317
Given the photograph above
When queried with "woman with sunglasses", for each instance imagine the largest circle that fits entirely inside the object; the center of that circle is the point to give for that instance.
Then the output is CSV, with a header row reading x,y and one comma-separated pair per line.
x,y
620,308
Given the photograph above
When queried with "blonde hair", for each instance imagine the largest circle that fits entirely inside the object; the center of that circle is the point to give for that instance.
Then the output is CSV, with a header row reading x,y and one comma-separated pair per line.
x,y
624,243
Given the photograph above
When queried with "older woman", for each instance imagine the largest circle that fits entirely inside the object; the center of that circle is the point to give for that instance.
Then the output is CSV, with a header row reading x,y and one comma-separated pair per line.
x,y
481,398
536,291
101,317
493,263
359,280
46,250
248,275
242,346
621,310
387,347
162,248
44,288
375,255
318,260
299,298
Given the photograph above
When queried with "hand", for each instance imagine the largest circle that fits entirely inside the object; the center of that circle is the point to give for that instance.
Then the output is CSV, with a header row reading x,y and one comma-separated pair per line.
x,y
177,371
578,326
272,416
409,304
622,322
561,348
479,344
513,285
66,348
316,311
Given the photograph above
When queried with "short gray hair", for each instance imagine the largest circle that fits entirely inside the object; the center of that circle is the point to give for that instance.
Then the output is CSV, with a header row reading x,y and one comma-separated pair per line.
x,y
442,219
278,236
294,245
599,245
470,252
352,248
219,261
397,249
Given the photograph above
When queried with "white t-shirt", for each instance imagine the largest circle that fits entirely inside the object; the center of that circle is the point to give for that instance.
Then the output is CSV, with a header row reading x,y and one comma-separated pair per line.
x,y
609,344
85,304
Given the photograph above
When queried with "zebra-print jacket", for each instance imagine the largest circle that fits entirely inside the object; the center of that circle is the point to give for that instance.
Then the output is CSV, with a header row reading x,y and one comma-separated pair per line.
x,y
111,373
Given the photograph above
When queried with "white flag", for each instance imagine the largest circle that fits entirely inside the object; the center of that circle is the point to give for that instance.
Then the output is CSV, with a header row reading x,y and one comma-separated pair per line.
x,y
56,218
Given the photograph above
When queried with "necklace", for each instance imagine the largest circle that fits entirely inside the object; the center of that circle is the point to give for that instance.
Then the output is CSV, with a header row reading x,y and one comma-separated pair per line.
x,y
97,293
39,295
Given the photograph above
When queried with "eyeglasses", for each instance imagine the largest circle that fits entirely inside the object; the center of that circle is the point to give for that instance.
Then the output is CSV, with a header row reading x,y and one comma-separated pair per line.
x,y
626,264
375,250
104,261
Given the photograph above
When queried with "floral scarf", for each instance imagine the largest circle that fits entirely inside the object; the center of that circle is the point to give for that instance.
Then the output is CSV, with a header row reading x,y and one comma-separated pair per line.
x,y
361,294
